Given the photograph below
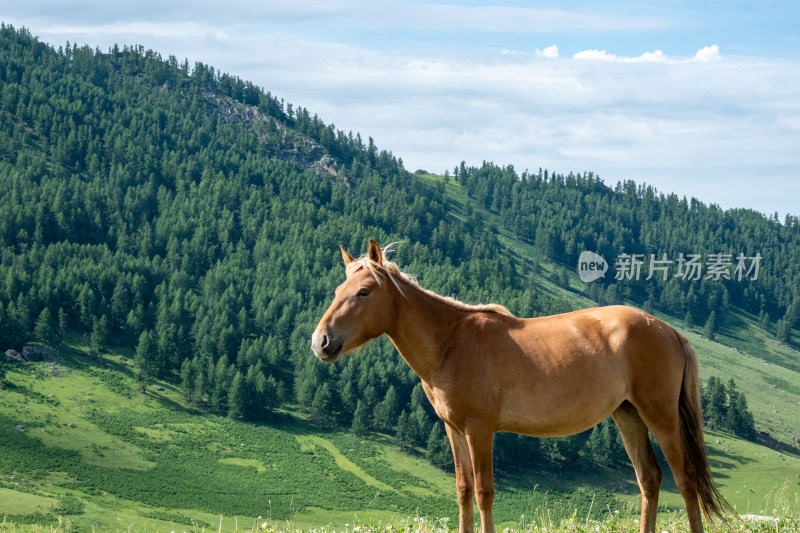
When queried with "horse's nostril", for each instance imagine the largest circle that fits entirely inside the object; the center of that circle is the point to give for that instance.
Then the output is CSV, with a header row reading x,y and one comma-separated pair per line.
x,y
324,343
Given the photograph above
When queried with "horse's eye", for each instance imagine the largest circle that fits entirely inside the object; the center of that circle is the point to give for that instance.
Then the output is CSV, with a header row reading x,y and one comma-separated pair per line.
x,y
363,292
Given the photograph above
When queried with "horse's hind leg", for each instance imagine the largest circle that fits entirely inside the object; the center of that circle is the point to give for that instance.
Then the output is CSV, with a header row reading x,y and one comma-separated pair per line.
x,y
648,473
669,438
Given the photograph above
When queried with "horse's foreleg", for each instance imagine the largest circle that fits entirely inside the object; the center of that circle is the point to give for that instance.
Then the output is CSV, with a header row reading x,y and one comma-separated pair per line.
x,y
480,440
648,473
464,478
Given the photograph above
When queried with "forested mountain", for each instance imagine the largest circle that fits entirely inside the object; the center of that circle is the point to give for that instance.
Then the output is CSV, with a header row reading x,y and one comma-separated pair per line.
x,y
565,215
194,216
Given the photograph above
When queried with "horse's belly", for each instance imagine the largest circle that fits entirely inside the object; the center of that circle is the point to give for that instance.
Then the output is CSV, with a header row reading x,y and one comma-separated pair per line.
x,y
561,408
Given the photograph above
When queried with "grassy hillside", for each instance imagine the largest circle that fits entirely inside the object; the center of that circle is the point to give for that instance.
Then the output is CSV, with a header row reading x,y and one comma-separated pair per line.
x,y
89,434
97,451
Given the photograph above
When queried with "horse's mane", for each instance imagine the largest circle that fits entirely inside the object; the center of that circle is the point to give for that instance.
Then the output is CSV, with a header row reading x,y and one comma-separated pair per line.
x,y
390,270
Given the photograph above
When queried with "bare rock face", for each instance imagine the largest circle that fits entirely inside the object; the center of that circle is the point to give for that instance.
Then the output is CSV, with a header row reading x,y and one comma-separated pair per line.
x,y
34,352
13,356
30,352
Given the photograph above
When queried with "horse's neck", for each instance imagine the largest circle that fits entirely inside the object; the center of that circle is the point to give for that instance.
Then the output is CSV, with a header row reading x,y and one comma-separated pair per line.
x,y
422,324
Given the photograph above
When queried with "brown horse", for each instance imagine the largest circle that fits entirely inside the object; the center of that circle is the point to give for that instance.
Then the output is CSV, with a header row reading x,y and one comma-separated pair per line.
x,y
485,370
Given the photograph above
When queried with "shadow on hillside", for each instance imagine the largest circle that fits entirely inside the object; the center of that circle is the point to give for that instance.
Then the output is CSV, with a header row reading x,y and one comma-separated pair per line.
x,y
166,402
722,461
117,366
767,440
71,357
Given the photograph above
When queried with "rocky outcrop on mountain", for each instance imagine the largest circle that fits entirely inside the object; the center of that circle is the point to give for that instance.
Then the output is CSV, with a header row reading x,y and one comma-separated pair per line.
x,y
13,356
34,352
30,352
288,145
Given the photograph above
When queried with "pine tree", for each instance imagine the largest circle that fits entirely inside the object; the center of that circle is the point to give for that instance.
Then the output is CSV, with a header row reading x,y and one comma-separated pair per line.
x,y
763,319
211,375
6,328
438,450
135,321
386,411
120,304
167,340
63,324
45,329
145,353
270,397
349,402
710,329
360,423
199,389
99,337
717,401
782,330
257,388
237,399
739,419
187,378
418,398
219,394
322,407
402,433
419,425
597,446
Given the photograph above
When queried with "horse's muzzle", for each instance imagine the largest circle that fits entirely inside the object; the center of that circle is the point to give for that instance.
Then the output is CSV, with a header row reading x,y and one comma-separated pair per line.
x,y
326,347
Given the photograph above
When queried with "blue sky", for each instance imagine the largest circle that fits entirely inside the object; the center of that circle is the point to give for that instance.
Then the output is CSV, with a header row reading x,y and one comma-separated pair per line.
x,y
697,98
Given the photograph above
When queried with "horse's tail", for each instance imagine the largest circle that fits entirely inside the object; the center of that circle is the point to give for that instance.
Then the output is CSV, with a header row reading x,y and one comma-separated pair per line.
x,y
691,421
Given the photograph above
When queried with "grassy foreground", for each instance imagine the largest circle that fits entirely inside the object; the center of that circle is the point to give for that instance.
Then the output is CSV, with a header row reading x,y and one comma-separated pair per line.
x,y
779,513
611,524
106,458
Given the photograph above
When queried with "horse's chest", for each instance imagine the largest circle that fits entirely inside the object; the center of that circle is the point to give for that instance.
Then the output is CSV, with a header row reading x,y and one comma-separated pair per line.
x,y
441,401
454,406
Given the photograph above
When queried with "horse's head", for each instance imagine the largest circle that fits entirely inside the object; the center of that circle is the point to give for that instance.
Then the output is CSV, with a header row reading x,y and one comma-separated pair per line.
x,y
362,308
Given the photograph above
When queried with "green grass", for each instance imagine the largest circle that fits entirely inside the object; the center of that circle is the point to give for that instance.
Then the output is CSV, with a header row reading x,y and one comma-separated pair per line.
x,y
245,463
15,502
129,457
612,523
312,443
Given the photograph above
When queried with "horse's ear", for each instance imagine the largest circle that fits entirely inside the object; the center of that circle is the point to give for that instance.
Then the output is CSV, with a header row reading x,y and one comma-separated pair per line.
x,y
345,256
374,252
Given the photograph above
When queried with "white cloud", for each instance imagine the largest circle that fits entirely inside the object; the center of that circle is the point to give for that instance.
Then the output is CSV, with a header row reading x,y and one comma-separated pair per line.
x,y
551,52
709,53
656,56
602,55
595,55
